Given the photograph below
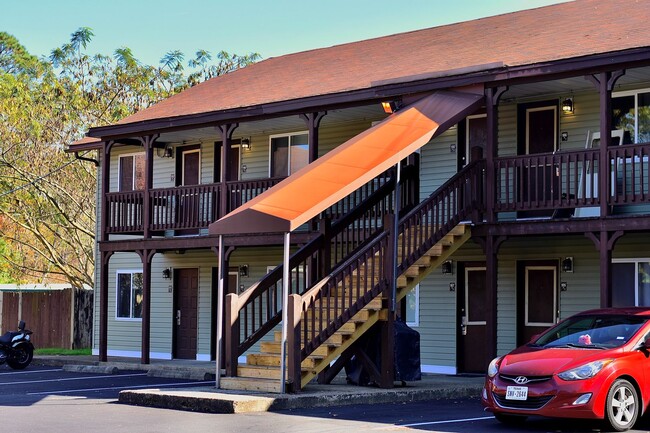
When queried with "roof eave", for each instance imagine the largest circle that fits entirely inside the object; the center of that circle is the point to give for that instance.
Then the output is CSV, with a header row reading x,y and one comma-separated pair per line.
x,y
494,74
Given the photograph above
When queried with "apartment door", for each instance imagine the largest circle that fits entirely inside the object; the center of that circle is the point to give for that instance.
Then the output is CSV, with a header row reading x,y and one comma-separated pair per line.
x,y
186,295
538,181
472,318
234,162
537,298
189,206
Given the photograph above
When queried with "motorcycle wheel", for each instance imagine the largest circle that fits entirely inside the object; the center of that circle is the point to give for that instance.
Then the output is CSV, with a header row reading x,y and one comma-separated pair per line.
x,y
21,357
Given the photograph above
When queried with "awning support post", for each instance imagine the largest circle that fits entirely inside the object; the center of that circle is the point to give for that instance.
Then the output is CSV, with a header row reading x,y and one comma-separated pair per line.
x,y
220,307
285,303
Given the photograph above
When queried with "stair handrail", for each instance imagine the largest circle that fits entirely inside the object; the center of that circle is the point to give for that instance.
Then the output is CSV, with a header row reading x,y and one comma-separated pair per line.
x,y
435,217
454,200
315,251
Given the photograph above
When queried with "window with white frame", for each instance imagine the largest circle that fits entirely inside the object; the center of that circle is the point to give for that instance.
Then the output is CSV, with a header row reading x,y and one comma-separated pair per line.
x,y
129,295
632,278
631,113
131,172
289,153
413,307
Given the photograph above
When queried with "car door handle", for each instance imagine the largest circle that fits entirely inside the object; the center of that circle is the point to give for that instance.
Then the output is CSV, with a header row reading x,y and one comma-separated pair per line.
x,y
178,317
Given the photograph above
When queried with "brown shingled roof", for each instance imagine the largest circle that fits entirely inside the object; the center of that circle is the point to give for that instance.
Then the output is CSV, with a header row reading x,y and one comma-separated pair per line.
x,y
566,30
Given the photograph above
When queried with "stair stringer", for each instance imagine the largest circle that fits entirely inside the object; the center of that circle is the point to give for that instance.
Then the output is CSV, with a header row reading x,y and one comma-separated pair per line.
x,y
411,282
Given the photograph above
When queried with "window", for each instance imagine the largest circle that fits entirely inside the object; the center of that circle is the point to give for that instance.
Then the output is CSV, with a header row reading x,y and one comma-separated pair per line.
x,y
132,171
631,113
413,307
289,153
632,277
129,295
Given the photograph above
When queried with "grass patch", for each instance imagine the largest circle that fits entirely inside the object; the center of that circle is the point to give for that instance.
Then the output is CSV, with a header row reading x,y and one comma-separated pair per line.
x,y
66,352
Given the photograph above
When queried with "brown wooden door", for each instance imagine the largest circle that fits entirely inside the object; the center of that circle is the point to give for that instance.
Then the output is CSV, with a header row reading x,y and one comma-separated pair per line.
x,y
539,179
186,292
189,209
537,298
472,318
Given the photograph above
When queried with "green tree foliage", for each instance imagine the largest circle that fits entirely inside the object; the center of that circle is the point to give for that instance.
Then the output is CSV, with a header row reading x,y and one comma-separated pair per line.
x,y
47,197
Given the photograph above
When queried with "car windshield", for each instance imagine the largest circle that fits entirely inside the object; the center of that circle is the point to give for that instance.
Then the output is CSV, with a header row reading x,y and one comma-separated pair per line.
x,y
592,331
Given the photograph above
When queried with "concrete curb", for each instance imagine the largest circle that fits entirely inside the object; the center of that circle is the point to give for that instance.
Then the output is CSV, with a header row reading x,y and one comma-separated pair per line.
x,y
95,369
208,400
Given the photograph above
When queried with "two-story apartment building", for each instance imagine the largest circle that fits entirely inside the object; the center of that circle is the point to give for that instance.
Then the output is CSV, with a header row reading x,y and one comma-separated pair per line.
x,y
508,188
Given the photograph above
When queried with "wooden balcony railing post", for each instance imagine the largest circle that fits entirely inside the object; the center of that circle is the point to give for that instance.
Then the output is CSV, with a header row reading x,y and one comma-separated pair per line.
x,y
232,332
294,308
325,256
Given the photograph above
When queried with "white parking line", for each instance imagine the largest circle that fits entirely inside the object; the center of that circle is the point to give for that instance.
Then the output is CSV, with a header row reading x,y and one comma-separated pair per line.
x,y
153,385
448,421
29,371
72,378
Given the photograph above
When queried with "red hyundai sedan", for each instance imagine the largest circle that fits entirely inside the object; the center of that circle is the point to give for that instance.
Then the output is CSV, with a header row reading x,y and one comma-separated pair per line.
x,y
593,365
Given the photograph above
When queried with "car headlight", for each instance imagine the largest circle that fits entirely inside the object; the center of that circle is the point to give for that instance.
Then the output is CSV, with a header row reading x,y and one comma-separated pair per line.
x,y
493,368
585,371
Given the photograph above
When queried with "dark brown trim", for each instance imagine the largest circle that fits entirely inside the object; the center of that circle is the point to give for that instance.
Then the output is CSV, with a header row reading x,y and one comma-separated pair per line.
x,y
636,223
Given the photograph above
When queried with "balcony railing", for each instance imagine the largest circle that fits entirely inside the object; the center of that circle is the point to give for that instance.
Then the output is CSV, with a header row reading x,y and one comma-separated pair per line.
x,y
549,181
570,180
180,208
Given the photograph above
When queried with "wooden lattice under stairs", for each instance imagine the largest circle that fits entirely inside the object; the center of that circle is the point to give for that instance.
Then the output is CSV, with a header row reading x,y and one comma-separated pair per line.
x,y
262,370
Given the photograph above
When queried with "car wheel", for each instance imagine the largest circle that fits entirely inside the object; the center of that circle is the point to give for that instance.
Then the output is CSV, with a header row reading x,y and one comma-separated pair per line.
x,y
622,405
510,419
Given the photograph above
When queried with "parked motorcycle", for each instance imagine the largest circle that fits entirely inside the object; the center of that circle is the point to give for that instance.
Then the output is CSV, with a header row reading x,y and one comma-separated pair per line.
x,y
16,349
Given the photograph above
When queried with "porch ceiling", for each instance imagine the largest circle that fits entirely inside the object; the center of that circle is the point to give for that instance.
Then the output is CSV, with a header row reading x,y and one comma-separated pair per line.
x,y
305,194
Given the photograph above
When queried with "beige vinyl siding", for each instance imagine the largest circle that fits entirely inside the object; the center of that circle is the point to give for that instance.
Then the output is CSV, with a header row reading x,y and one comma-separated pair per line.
x,y
437,162
438,322
329,136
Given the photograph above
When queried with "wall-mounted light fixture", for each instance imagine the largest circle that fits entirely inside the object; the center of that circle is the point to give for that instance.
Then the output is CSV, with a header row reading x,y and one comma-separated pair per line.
x,y
567,264
390,106
165,152
243,270
167,273
567,106
245,143
447,267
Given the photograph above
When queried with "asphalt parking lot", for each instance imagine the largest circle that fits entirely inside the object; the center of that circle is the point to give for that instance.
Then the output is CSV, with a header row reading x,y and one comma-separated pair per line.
x,y
25,387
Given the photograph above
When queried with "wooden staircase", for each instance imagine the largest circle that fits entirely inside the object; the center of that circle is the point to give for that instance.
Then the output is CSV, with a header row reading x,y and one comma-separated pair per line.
x,y
262,371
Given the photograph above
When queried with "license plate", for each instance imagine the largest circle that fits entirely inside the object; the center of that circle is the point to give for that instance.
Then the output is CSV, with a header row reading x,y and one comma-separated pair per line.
x,y
517,393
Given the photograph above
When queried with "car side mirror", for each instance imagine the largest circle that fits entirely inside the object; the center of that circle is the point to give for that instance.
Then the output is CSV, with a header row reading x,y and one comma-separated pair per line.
x,y
21,325
645,344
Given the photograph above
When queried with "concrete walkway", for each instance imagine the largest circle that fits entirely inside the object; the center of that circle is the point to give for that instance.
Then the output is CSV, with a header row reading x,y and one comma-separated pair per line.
x,y
211,400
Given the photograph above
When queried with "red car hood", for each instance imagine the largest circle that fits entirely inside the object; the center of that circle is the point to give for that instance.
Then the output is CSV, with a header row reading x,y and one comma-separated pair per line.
x,y
546,362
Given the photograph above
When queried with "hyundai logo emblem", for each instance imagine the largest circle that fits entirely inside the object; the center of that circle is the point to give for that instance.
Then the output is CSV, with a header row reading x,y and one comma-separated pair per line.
x,y
521,380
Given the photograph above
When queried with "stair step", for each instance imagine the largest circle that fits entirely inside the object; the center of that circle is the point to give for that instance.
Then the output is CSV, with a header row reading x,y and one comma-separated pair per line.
x,y
273,347
335,339
375,304
259,371
361,316
250,384
266,360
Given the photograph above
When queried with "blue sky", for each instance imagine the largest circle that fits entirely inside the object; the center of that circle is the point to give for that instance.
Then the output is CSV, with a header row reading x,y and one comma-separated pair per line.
x,y
270,27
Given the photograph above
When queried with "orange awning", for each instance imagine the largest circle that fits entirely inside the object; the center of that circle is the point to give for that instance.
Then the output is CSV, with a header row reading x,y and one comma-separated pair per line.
x,y
305,194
